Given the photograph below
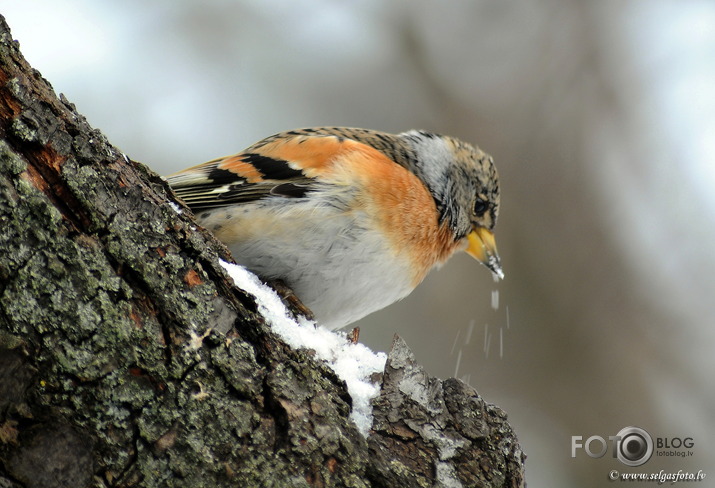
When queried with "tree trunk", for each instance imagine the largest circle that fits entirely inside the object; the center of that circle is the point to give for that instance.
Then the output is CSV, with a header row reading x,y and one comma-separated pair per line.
x,y
129,358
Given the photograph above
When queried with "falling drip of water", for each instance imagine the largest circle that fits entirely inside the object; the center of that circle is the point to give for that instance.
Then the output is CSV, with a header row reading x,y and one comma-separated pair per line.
x,y
501,342
454,344
469,332
495,299
487,340
459,359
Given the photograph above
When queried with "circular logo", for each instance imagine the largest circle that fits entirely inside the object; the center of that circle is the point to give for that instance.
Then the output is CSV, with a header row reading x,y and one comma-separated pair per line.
x,y
635,446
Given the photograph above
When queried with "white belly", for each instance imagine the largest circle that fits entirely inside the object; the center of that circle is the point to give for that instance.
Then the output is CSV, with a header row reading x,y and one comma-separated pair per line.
x,y
336,267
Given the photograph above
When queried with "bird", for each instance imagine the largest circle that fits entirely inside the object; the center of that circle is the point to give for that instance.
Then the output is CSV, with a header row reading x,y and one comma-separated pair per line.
x,y
350,219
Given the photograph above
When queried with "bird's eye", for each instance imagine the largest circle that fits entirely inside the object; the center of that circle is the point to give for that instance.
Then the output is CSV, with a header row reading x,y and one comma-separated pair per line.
x,y
480,206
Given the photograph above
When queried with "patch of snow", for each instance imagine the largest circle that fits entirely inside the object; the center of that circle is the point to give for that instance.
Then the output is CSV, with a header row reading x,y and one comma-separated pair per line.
x,y
175,206
353,363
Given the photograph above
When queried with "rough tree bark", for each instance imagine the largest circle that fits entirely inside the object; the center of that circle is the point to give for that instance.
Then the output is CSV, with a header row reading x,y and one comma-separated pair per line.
x,y
128,358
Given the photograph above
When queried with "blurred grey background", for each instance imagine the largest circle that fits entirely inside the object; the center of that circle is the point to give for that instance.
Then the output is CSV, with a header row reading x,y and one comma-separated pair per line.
x,y
601,119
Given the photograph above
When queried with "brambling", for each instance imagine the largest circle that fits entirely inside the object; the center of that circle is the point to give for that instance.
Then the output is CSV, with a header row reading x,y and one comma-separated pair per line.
x,y
351,220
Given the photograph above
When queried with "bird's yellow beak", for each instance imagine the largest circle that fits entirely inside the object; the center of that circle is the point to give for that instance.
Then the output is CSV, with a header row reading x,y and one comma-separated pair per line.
x,y
483,248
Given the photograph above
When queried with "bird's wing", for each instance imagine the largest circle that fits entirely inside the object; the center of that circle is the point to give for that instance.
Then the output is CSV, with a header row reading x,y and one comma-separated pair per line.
x,y
288,164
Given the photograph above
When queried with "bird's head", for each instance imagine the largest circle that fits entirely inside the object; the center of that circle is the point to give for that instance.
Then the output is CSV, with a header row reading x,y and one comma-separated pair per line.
x,y
465,185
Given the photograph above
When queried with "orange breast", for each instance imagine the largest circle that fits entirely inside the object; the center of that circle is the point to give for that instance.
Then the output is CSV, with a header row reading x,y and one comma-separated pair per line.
x,y
402,206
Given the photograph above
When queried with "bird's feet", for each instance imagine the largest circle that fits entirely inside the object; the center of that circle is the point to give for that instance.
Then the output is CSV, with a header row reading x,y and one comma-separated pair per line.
x,y
290,299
